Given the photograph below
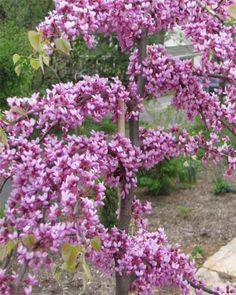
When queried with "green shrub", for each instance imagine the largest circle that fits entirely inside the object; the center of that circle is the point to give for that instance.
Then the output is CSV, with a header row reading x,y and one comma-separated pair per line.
x,y
104,59
25,13
159,179
221,186
107,213
106,125
154,186
184,211
197,251
13,40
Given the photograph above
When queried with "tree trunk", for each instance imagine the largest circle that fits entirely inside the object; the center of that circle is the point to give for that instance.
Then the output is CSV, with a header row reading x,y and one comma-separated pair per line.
x,y
123,282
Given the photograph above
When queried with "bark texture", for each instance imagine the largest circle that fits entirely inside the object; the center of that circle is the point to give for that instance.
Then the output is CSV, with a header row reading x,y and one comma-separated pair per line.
x,y
123,282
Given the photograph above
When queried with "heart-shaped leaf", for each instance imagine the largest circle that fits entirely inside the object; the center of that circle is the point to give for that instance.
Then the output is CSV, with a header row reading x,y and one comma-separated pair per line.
x,y
34,38
35,63
96,243
16,58
29,242
3,136
63,45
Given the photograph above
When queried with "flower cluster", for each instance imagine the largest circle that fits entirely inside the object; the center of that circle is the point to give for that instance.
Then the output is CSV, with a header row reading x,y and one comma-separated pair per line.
x,y
158,145
58,183
58,186
67,105
125,18
210,32
59,179
129,160
57,190
165,73
5,282
139,209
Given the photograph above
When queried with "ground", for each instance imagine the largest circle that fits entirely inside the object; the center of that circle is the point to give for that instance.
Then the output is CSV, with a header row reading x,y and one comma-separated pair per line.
x,y
210,224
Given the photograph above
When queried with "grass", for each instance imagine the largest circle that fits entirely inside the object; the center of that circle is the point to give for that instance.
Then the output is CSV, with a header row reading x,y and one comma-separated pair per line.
x,y
183,211
197,251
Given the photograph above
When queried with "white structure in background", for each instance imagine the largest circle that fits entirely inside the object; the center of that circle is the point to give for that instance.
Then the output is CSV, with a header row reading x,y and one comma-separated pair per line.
x,y
177,45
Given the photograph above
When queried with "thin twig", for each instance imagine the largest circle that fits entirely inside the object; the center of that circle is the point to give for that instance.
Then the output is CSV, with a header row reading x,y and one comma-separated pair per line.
x,y
55,73
4,182
7,261
200,287
213,75
212,12
32,112
203,117
21,275
227,127
47,132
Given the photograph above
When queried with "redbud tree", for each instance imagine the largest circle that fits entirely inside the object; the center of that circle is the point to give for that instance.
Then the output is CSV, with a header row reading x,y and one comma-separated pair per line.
x,y
59,178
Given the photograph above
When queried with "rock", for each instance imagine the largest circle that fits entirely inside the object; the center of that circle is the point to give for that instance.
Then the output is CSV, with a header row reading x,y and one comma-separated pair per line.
x,y
220,267
211,278
224,261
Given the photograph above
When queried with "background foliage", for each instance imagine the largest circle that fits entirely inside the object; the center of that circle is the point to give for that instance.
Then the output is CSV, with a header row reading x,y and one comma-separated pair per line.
x,y
13,39
25,13
16,18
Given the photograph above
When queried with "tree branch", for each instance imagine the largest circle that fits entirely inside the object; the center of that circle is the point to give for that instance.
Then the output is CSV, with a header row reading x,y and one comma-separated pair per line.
x,y
227,127
47,132
55,73
4,182
21,275
123,281
213,75
200,287
209,10
125,204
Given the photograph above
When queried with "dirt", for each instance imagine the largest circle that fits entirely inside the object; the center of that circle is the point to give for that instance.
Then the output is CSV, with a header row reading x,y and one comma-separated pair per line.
x,y
209,224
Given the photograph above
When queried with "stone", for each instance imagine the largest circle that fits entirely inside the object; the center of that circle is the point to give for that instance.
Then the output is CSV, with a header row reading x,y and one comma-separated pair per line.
x,y
224,261
220,268
211,278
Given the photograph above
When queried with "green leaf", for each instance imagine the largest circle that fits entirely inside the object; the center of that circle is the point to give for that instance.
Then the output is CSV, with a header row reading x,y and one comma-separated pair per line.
x,y
69,255
96,243
85,268
57,274
232,10
3,118
5,249
86,272
69,267
16,58
3,136
41,62
63,45
35,64
46,60
29,242
34,38
19,111
18,70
